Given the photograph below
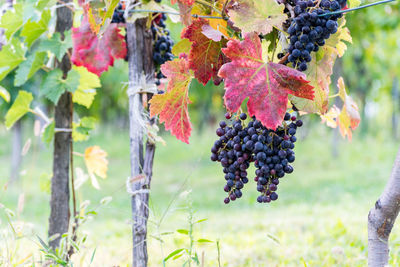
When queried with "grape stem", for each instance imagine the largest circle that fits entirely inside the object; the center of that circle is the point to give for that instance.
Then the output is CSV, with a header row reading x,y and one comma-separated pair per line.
x,y
283,59
356,8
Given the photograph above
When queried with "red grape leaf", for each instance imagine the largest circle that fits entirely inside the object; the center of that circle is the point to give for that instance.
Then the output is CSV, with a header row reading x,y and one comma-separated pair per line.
x,y
97,54
205,56
257,15
267,85
172,106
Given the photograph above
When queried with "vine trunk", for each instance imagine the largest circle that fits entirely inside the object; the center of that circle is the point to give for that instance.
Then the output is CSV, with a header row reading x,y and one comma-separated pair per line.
x,y
59,202
382,217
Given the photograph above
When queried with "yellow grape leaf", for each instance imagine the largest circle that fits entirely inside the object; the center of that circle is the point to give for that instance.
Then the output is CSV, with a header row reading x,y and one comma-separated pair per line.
x,y
217,24
258,15
330,118
183,46
86,92
336,41
96,163
318,73
349,118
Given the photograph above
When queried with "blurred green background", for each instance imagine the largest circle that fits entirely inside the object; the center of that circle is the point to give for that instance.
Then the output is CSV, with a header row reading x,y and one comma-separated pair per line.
x,y
320,218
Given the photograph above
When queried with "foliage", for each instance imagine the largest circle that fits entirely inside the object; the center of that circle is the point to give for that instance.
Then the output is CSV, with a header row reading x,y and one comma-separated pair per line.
x,y
211,41
267,85
96,54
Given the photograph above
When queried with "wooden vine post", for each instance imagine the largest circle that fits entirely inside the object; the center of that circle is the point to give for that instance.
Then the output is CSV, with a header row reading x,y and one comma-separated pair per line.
x,y
140,49
59,203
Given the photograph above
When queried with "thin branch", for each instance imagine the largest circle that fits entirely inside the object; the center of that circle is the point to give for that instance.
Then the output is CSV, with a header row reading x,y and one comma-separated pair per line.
x,y
356,8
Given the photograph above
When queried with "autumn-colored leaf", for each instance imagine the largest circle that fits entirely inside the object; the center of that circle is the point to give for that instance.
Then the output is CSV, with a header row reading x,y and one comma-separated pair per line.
x,y
348,118
330,118
318,73
172,106
203,10
337,40
267,85
257,15
96,163
94,53
205,57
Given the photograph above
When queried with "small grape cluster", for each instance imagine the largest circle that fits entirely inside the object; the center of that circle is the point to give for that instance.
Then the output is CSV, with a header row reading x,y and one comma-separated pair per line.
x,y
270,150
309,30
118,15
162,44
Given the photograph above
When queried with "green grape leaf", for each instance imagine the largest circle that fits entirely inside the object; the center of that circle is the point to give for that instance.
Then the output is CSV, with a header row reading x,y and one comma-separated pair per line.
x,y
57,46
12,20
81,130
19,108
42,4
11,56
54,85
33,30
48,132
86,92
29,67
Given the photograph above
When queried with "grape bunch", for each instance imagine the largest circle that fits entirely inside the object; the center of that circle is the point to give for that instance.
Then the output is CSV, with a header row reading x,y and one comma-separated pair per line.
x,y
162,44
118,15
309,29
270,150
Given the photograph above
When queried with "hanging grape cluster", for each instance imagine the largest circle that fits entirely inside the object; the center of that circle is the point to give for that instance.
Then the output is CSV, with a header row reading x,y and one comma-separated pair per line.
x,y
310,28
162,44
118,15
270,150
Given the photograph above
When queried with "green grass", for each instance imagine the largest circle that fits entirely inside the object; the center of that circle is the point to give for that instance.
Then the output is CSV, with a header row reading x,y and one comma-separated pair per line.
x,y
320,218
